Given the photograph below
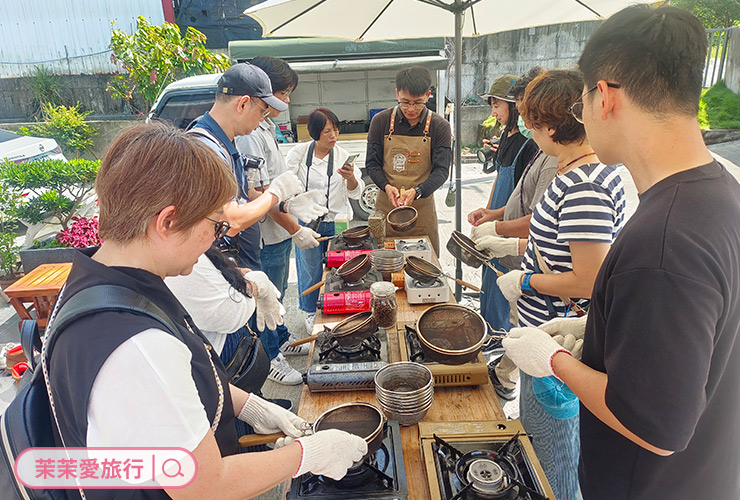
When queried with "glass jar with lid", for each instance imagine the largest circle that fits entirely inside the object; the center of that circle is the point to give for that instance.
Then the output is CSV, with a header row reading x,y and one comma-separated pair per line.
x,y
383,304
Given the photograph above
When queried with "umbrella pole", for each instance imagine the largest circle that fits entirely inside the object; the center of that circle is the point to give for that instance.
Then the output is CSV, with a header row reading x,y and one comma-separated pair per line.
x,y
458,136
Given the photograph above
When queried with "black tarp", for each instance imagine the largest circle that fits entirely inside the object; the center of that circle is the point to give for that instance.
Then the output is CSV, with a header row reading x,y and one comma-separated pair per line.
x,y
220,20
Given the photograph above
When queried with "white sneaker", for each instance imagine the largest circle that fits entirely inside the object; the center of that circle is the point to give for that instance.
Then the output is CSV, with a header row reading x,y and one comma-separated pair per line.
x,y
310,317
299,350
282,373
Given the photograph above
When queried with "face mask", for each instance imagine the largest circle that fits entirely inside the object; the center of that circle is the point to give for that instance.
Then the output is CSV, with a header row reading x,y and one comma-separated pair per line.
x,y
522,129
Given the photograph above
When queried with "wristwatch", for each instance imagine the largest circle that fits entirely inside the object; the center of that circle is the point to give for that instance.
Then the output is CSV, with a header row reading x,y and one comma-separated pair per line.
x,y
526,287
282,208
418,192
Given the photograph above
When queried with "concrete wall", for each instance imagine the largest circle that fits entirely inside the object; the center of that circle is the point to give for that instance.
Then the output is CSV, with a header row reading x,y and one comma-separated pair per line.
x,y
487,57
17,101
732,64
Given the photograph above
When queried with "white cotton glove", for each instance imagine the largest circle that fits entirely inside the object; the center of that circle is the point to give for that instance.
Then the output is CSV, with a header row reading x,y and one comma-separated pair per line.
x,y
266,417
568,332
532,350
496,246
285,186
485,229
330,453
304,206
305,238
510,285
269,310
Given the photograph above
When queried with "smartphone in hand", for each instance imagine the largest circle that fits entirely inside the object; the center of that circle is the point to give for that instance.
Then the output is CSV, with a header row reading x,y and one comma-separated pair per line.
x,y
350,161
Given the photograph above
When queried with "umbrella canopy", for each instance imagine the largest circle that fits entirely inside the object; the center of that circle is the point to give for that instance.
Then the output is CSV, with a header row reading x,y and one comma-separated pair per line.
x,y
388,19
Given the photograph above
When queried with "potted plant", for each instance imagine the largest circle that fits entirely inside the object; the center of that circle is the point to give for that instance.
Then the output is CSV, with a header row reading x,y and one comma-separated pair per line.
x,y
55,189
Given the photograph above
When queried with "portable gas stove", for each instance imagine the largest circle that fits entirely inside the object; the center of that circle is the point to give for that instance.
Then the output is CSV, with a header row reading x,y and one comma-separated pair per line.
x,y
473,373
481,460
434,293
340,297
340,251
337,368
419,246
380,477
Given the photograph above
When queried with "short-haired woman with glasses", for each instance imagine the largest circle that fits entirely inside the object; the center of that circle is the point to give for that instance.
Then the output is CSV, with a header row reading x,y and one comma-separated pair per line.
x,y
570,233
119,380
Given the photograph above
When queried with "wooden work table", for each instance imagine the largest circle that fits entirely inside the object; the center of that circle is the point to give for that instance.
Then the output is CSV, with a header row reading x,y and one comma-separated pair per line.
x,y
450,403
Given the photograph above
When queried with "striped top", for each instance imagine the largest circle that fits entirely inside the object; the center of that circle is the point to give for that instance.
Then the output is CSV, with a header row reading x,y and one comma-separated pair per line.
x,y
585,204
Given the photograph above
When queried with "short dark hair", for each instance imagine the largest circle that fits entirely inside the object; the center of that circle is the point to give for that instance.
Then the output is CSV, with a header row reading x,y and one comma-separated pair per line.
x,y
317,121
547,102
655,54
283,78
415,80
518,87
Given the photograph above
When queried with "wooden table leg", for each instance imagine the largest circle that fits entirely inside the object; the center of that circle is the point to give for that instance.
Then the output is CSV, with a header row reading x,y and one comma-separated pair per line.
x,y
20,309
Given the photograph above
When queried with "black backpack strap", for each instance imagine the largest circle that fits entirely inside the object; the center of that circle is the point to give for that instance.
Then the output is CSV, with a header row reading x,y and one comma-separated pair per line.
x,y
106,298
30,340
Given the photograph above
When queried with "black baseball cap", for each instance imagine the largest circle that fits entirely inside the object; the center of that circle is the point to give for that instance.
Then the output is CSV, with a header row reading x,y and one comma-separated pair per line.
x,y
247,79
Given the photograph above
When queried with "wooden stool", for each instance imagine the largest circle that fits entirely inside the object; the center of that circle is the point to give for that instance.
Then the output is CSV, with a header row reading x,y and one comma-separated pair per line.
x,y
37,290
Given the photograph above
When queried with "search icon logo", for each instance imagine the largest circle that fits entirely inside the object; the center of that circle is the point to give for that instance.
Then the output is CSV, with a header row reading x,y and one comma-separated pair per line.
x,y
179,468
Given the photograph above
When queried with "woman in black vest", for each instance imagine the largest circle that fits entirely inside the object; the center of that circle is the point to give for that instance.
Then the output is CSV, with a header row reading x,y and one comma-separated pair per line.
x,y
119,380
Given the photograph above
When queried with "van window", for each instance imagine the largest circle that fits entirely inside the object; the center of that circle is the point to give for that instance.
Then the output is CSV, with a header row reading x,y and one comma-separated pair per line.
x,y
181,109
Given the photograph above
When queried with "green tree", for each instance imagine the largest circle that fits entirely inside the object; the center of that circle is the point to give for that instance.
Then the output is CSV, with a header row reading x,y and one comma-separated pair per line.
x,y
66,125
713,13
57,187
155,56
10,202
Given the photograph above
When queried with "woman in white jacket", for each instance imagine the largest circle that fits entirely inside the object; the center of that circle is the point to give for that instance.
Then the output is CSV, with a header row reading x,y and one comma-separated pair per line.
x,y
321,164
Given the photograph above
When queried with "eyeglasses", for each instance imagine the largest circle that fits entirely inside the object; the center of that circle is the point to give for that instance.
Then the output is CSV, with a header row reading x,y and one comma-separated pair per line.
x,y
220,227
576,109
409,105
266,110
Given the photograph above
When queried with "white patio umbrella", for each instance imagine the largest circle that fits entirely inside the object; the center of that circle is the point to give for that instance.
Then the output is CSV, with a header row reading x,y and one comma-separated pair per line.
x,y
365,20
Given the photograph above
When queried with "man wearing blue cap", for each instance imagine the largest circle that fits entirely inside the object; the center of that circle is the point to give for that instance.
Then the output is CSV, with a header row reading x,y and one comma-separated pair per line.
x,y
244,99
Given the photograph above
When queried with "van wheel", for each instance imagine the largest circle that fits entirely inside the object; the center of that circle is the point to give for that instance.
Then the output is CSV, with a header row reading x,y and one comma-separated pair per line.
x,y
363,207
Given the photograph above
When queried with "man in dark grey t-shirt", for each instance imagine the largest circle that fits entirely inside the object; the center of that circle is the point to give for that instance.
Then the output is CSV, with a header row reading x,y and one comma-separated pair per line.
x,y
658,382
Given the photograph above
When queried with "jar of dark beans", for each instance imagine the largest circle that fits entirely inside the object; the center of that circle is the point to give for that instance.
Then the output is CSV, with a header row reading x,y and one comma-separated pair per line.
x,y
383,303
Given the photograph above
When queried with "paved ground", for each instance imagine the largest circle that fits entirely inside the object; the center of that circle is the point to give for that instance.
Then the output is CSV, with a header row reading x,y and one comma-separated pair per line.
x,y
476,188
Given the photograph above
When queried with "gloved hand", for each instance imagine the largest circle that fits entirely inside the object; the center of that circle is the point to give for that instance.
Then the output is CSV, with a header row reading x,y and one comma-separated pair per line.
x,y
568,332
285,185
496,246
575,326
304,207
305,238
330,453
266,417
532,350
485,229
510,285
269,310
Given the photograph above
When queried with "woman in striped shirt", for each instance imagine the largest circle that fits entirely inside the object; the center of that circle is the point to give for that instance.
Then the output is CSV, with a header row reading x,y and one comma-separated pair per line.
x,y
570,233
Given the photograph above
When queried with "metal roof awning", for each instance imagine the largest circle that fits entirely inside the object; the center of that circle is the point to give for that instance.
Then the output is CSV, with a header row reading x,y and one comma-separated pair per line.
x,y
389,63
316,55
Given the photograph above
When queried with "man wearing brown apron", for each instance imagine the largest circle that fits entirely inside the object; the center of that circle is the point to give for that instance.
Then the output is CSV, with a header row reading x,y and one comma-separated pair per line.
x,y
409,154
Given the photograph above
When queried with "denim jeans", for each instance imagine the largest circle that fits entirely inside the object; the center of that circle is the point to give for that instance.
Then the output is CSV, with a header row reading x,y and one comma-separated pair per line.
x,y
310,266
275,261
493,305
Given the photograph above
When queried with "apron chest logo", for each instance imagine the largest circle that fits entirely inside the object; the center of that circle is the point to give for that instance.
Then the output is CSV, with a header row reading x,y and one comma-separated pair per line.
x,y
399,162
